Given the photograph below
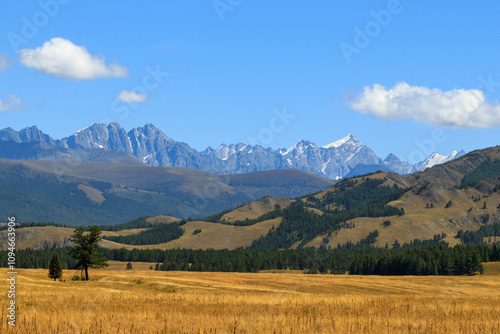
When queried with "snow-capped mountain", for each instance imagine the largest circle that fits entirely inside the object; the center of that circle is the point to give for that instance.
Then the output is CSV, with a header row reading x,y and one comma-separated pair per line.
x,y
333,161
437,159
151,146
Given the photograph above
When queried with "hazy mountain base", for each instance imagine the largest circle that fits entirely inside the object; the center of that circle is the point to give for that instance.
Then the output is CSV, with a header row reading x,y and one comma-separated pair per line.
x,y
86,193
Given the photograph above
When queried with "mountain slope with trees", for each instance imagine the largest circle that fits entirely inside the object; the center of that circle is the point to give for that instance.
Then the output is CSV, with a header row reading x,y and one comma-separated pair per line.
x,y
403,209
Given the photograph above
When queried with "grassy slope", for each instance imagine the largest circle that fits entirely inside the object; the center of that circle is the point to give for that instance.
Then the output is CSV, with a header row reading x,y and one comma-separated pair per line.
x,y
217,236
420,222
255,209
213,235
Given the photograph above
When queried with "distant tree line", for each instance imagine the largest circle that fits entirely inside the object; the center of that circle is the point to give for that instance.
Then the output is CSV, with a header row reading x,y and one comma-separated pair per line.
x,y
486,170
459,260
140,222
440,260
477,237
157,234
437,240
33,224
364,243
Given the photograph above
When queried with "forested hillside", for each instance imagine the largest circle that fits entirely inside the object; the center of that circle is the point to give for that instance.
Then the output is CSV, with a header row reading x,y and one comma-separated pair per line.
x,y
458,201
81,193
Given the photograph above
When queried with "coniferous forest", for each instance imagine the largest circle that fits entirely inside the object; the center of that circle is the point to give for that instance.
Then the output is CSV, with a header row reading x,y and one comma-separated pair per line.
x,y
152,236
433,260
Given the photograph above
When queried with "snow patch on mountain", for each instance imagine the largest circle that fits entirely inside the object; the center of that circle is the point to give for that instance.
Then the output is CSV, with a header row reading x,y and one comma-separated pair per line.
x,y
437,159
339,142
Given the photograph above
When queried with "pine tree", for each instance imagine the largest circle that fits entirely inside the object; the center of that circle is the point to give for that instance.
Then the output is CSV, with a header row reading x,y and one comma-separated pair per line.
x,y
55,267
85,251
129,266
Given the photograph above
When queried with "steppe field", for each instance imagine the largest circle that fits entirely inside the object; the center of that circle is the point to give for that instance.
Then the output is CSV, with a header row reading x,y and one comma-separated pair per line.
x,y
147,301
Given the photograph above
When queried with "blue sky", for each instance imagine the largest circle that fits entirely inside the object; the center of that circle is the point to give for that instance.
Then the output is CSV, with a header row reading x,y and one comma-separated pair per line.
x,y
407,77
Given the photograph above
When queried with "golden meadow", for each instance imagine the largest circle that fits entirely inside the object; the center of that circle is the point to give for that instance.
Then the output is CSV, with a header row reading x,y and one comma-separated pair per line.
x,y
145,301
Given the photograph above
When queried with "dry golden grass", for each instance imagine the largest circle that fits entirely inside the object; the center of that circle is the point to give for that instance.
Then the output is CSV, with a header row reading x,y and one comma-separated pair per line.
x,y
162,219
316,211
492,269
186,302
255,209
213,235
122,265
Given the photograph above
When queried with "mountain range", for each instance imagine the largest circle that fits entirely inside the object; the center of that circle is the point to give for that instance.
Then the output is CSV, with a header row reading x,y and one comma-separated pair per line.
x,y
149,145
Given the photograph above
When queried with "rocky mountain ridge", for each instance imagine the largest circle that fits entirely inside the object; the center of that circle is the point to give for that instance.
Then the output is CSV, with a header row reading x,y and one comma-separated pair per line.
x,y
151,146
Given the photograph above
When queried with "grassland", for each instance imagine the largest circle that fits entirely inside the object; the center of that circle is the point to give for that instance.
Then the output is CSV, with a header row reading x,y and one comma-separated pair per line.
x,y
255,209
145,301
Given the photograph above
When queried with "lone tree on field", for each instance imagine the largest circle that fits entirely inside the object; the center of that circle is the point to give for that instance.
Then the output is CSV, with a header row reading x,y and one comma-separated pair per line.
x,y
55,267
85,251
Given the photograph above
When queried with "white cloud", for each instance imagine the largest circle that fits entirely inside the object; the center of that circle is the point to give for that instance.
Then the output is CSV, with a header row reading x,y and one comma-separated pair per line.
x,y
63,59
457,107
12,102
4,62
131,97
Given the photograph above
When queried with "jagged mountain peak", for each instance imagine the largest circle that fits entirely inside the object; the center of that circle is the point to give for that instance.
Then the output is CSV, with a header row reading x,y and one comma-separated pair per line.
x,y
149,130
300,146
10,134
392,158
436,159
33,134
349,138
304,142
